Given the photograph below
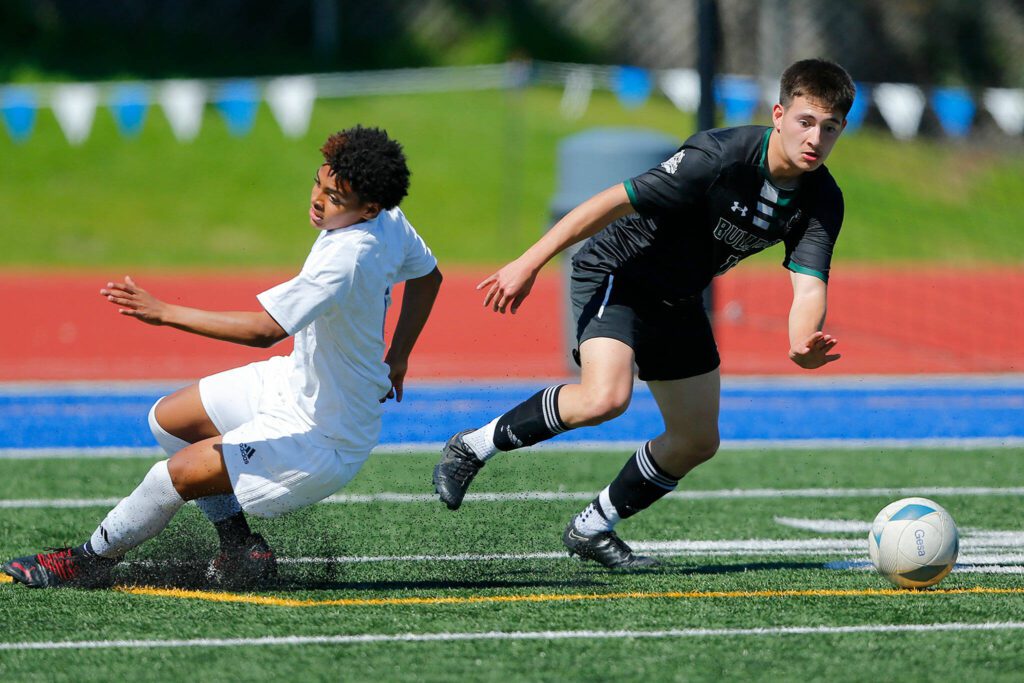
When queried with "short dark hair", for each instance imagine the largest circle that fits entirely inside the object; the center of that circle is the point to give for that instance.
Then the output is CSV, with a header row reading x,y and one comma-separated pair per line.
x,y
821,80
371,162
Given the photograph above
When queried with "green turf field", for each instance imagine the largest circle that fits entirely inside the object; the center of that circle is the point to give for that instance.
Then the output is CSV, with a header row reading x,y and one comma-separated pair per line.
x,y
483,179
421,593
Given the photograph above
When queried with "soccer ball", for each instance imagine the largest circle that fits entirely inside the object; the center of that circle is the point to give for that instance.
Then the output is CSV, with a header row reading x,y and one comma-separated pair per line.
x,y
913,542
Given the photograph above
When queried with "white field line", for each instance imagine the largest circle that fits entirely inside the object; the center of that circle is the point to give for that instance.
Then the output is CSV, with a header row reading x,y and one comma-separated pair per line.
x,y
516,635
974,564
521,496
826,526
854,526
977,551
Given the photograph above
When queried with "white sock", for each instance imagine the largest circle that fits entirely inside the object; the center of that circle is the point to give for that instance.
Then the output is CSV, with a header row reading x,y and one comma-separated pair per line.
x,y
220,507
216,508
140,516
593,521
481,441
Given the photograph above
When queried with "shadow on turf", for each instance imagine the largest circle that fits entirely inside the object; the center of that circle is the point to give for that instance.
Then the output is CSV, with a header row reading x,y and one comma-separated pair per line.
x,y
192,576
670,568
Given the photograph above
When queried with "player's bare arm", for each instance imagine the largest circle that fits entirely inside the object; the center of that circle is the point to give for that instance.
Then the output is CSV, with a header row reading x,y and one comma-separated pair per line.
x,y
417,300
809,347
508,287
250,328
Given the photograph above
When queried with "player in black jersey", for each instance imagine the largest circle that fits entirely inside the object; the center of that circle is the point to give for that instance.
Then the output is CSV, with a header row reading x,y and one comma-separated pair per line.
x,y
656,241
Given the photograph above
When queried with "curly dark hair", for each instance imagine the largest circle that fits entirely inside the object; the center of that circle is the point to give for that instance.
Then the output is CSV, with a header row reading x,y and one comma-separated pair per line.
x,y
371,162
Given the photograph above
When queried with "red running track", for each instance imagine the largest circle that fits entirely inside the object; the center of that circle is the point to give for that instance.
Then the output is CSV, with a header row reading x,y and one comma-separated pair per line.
x,y
887,320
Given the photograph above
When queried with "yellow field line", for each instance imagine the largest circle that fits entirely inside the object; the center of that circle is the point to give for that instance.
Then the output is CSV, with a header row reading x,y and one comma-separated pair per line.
x,y
569,597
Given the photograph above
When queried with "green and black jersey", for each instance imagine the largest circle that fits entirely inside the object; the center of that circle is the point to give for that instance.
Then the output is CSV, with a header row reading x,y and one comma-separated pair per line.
x,y
708,207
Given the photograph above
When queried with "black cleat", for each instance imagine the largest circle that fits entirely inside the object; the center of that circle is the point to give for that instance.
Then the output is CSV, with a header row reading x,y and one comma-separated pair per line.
x,y
246,566
60,568
456,469
605,548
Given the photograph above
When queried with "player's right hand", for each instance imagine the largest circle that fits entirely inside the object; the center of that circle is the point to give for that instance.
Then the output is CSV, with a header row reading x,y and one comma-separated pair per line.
x,y
134,301
815,351
507,288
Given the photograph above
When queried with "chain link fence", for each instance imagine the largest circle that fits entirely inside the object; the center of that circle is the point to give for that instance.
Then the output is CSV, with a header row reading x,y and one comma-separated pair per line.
x,y
974,43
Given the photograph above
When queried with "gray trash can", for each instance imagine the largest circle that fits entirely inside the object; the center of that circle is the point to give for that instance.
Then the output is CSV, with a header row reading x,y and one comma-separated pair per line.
x,y
592,161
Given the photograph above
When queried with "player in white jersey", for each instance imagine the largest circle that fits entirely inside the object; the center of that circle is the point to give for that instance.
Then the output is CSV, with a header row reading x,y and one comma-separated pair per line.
x,y
283,433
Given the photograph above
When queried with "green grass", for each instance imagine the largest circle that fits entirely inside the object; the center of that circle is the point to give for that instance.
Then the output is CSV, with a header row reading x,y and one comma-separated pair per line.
x,y
421,528
483,179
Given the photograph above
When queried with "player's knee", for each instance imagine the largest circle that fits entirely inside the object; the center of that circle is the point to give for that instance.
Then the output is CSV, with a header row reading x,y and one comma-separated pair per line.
x,y
704,449
692,449
170,443
606,404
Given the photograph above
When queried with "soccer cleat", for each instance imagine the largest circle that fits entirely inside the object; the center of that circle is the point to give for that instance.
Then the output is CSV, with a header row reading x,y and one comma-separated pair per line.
x,y
456,469
60,568
605,548
247,565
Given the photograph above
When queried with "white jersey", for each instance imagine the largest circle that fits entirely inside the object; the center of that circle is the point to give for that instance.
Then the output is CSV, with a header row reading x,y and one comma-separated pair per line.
x,y
335,309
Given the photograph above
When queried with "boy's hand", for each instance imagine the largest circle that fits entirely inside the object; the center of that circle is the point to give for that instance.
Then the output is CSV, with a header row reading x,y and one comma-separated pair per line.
x,y
134,301
814,351
396,373
509,286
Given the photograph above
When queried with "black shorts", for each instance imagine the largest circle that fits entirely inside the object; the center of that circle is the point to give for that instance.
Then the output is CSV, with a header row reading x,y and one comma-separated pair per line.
x,y
671,340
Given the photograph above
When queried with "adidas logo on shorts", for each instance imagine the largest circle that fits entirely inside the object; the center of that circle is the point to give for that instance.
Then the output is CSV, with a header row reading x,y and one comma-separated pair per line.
x,y
247,452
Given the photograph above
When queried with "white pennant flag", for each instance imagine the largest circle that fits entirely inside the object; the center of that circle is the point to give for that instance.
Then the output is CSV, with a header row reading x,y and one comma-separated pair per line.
x,y
182,102
1007,108
682,86
576,97
75,106
291,101
901,106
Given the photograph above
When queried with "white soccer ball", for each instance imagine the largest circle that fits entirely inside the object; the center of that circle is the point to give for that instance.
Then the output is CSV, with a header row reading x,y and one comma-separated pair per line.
x,y
913,542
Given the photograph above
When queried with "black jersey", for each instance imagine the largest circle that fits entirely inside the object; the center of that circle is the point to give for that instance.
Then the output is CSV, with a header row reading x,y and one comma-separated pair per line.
x,y
709,206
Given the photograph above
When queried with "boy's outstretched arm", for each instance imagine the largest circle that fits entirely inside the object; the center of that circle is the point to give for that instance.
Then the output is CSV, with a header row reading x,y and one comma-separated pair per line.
x,y
251,328
809,347
509,286
417,300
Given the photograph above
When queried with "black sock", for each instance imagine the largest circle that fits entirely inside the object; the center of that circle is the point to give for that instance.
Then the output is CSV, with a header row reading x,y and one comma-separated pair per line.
x,y
84,550
534,420
233,531
640,483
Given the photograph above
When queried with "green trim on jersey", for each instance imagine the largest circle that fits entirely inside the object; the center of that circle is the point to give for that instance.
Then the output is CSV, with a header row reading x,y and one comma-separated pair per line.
x,y
763,161
785,196
630,191
797,268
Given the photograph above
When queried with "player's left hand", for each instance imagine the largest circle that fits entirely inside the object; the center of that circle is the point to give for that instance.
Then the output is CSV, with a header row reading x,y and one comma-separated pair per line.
x,y
507,288
134,301
814,351
396,374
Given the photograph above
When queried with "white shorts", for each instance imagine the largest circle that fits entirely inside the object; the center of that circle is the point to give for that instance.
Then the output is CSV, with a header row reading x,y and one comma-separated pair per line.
x,y
276,461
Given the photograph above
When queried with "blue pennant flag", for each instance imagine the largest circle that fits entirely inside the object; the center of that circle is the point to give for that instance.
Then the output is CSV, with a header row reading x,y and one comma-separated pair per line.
x,y
18,106
632,85
237,102
855,117
129,103
738,97
955,110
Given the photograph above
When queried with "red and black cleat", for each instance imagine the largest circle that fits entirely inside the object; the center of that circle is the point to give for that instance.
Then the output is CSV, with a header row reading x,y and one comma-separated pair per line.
x,y
247,566
61,568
